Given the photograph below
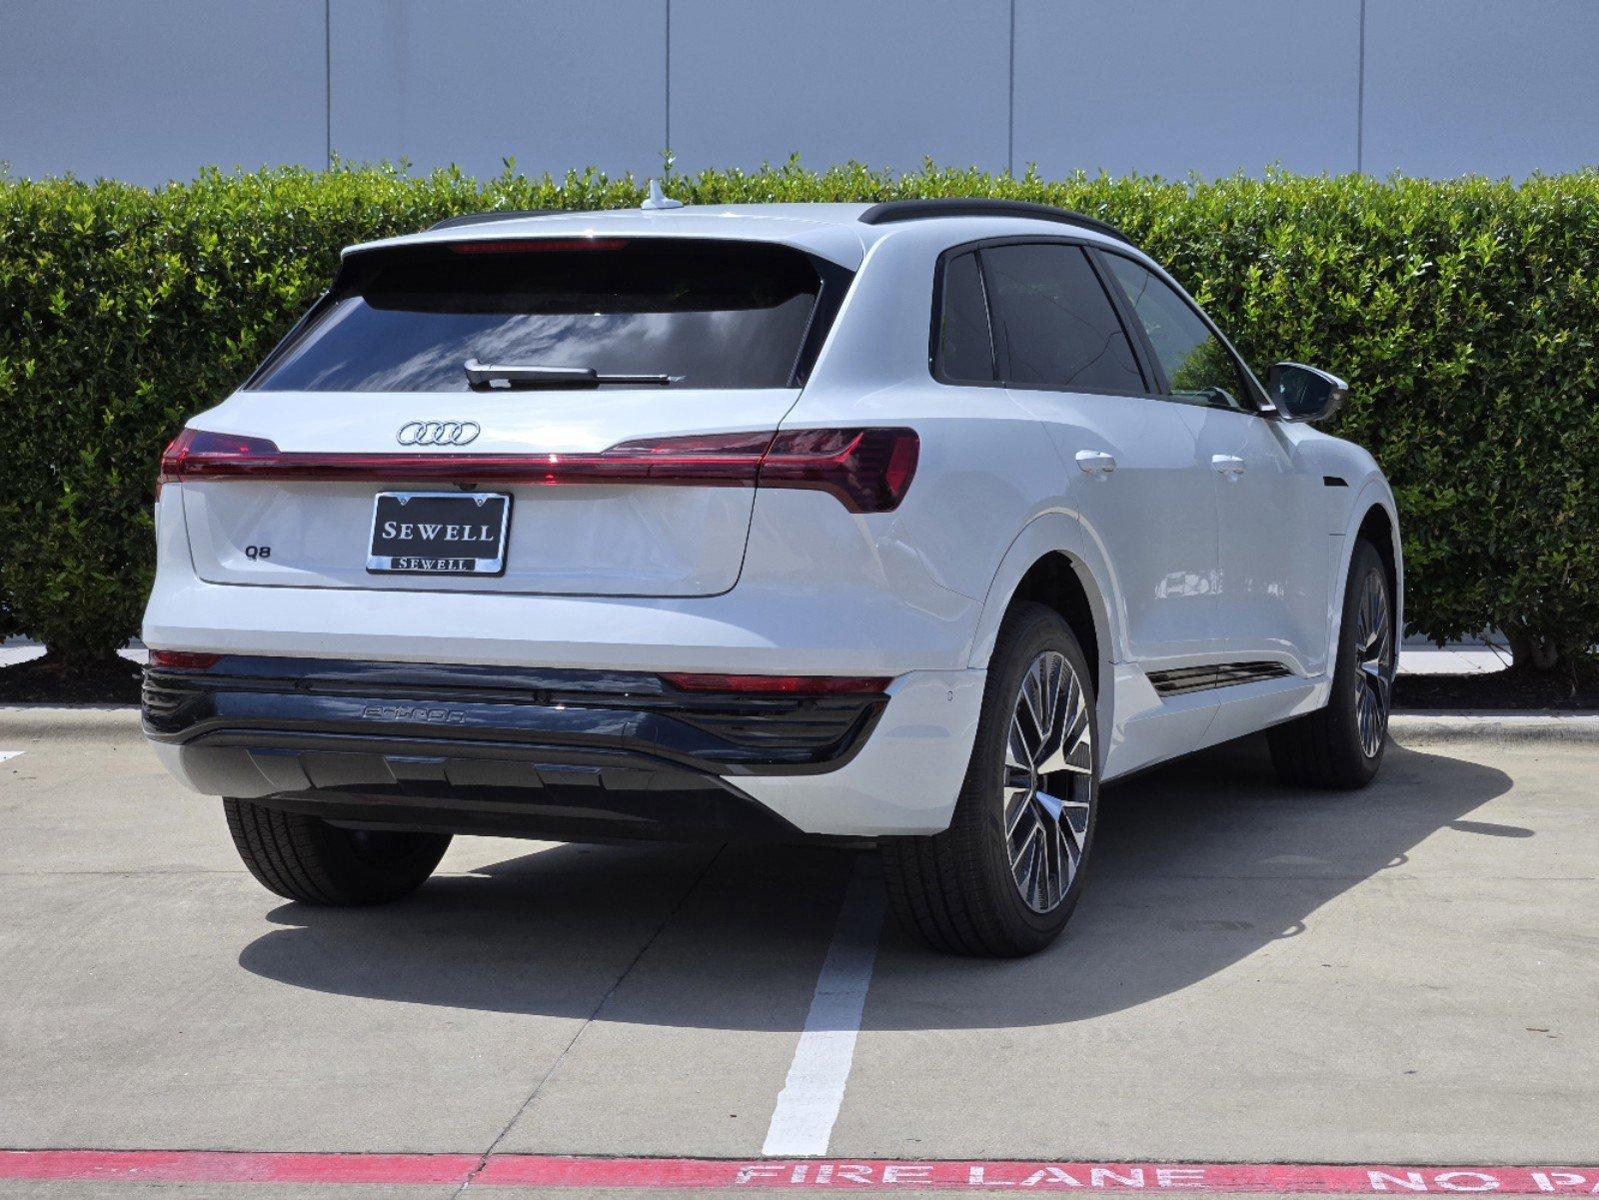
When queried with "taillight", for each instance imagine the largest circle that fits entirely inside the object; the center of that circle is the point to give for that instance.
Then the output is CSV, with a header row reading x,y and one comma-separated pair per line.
x,y
787,685
868,470
183,660
195,453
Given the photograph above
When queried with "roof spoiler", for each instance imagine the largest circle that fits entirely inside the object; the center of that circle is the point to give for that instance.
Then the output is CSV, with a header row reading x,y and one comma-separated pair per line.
x,y
485,218
891,211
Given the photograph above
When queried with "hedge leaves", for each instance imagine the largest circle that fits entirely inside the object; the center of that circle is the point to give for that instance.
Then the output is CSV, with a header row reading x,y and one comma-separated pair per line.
x,y
1463,312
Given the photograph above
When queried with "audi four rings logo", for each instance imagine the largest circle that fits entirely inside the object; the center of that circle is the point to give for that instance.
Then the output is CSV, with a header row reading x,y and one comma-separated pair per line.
x,y
437,433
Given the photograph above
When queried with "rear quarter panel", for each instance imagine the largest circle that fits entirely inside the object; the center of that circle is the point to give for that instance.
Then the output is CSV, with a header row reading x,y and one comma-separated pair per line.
x,y
987,471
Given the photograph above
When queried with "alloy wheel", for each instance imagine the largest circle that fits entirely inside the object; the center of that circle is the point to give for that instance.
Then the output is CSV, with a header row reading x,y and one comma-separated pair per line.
x,y
1048,787
1374,653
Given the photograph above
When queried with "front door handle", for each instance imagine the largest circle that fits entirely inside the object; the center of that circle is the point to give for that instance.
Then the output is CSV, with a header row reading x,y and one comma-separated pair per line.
x,y
1096,462
1229,465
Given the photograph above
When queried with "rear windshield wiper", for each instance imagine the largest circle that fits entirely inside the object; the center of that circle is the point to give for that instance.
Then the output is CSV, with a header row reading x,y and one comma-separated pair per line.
x,y
515,375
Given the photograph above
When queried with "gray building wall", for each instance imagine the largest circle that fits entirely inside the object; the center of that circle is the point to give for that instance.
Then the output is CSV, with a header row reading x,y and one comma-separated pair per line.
x,y
152,91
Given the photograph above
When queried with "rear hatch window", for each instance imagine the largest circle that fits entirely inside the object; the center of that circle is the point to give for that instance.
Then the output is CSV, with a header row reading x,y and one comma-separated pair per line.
x,y
704,314
732,325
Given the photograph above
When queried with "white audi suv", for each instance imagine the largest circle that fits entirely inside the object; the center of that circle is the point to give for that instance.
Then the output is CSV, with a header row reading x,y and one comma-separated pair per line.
x,y
902,525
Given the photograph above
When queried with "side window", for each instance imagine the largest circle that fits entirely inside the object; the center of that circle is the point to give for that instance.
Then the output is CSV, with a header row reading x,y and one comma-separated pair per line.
x,y
1054,321
1198,366
965,343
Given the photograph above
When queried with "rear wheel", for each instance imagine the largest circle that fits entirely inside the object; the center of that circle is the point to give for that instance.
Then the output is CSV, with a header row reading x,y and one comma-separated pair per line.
x,y
1341,746
304,858
1003,879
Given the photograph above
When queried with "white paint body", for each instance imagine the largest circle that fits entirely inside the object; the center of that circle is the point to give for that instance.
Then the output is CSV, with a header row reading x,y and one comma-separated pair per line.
x,y
1183,565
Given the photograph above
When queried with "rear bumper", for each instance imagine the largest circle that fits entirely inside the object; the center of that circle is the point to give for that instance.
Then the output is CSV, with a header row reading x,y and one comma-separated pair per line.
x,y
551,753
505,751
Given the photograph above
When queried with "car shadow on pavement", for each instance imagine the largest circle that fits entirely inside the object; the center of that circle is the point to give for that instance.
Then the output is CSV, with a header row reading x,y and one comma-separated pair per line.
x,y
1197,866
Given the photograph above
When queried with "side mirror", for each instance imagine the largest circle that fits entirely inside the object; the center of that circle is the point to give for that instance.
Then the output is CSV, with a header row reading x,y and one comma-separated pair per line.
x,y
1303,393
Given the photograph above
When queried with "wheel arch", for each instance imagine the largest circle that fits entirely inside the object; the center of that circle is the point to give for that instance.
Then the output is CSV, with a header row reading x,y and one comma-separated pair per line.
x,y
1373,518
1378,528
1052,562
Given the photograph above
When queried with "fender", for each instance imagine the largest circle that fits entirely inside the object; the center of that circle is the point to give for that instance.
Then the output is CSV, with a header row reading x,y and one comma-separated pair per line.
x,y
1057,531
1374,492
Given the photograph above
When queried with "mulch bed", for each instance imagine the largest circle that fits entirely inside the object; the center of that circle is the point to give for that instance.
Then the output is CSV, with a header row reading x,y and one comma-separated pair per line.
x,y
1496,689
52,680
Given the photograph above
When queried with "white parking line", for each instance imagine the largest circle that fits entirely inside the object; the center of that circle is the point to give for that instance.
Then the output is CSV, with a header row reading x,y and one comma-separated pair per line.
x,y
809,1102
9,754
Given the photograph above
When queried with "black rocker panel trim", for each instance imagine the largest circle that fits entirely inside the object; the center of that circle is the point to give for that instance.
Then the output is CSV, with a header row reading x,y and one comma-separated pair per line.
x,y
1183,680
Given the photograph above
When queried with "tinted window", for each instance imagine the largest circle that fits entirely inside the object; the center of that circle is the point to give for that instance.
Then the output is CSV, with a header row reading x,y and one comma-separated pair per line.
x,y
965,347
717,314
1197,365
1055,322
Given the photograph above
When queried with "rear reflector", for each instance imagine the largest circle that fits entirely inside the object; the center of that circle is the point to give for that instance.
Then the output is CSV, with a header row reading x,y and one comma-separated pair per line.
x,y
183,660
788,685
868,470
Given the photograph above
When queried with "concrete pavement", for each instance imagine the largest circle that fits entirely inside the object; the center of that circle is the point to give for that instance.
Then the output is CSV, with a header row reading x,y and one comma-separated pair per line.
x,y
1405,974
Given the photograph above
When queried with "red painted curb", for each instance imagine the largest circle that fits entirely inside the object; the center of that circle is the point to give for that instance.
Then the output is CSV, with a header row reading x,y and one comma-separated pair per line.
x,y
886,1175
855,1175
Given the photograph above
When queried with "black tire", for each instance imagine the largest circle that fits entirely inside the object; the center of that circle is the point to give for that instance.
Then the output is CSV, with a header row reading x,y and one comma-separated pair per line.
x,y
957,889
304,858
1326,748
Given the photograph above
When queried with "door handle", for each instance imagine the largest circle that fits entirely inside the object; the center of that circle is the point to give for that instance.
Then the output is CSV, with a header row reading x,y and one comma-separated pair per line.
x,y
1096,462
1229,465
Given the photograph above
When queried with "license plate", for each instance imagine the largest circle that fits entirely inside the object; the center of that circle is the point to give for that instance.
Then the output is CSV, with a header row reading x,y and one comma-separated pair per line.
x,y
434,533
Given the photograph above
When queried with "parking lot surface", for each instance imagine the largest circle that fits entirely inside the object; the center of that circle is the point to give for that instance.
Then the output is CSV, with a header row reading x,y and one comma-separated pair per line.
x,y
1403,975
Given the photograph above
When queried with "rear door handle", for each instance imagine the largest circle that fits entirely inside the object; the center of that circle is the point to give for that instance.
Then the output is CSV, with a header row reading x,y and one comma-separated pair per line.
x,y
1228,464
1096,462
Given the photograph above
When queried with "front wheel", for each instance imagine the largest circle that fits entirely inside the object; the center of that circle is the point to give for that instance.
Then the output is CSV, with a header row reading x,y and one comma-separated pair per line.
x,y
1003,879
304,858
1341,746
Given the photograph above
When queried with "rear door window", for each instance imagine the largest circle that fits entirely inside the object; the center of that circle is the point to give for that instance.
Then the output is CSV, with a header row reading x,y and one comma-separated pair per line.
x,y
710,314
965,341
1054,321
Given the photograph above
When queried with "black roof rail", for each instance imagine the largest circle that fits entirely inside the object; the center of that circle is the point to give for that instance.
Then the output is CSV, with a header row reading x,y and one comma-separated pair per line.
x,y
484,218
890,211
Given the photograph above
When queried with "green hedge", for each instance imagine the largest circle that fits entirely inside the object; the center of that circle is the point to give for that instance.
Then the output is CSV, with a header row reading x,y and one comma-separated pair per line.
x,y
1464,313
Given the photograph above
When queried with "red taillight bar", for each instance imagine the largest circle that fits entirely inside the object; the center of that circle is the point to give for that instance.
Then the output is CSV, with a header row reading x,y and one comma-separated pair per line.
x,y
725,459
787,685
868,470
